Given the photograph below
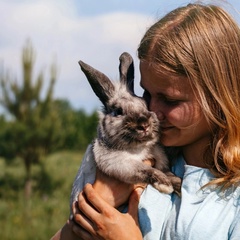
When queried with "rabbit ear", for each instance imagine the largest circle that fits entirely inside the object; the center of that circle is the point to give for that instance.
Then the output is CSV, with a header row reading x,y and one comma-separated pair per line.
x,y
126,70
100,83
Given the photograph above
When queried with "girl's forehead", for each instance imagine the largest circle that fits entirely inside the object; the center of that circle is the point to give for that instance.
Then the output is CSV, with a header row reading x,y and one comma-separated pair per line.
x,y
157,69
159,78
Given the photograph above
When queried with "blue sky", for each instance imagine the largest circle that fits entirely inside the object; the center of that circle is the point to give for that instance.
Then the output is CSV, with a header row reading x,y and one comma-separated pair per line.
x,y
65,31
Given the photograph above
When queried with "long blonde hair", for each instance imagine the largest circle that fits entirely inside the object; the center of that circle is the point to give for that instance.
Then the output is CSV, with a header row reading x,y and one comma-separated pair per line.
x,y
202,42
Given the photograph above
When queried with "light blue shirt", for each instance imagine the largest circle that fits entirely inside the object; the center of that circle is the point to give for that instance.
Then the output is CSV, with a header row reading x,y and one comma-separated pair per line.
x,y
200,214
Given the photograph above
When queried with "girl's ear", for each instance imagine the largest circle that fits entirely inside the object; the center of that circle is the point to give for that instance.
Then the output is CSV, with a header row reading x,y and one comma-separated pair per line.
x,y
126,71
100,83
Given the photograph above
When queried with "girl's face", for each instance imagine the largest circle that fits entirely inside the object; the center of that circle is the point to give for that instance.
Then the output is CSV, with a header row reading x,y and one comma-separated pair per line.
x,y
172,99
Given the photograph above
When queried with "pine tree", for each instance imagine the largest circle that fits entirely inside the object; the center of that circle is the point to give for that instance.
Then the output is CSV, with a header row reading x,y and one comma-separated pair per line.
x,y
34,129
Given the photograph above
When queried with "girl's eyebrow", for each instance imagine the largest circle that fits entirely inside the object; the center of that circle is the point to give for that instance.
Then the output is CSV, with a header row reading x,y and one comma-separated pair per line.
x,y
166,96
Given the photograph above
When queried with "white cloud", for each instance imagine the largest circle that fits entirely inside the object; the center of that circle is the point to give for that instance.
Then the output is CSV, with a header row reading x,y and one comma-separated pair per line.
x,y
57,31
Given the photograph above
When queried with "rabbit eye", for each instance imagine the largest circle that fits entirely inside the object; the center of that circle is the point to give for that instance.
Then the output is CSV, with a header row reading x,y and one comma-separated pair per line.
x,y
116,112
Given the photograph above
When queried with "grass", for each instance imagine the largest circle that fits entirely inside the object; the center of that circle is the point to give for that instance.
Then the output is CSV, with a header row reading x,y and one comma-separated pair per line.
x,y
48,209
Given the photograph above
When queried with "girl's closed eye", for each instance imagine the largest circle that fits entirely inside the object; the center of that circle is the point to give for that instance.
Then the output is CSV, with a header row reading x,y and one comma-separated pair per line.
x,y
168,101
171,102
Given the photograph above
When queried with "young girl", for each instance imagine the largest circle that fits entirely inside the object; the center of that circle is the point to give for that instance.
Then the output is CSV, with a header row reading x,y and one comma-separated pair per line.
x,y
190,73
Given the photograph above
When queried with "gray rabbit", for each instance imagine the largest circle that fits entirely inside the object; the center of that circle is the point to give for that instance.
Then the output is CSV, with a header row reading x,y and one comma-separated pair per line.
x,y
127,135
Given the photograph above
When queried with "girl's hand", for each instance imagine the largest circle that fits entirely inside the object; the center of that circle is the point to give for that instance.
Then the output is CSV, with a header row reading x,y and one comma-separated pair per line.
x,y
97,219
95,214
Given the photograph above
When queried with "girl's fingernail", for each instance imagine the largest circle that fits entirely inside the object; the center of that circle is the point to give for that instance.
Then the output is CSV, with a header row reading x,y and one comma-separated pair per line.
x,y
139,190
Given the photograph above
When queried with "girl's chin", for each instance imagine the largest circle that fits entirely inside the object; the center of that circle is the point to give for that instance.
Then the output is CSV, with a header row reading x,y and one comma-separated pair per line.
x,y
170,141
168,136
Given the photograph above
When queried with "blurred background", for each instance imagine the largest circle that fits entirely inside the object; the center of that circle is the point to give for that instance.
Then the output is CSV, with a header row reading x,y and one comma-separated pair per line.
x,y
47,108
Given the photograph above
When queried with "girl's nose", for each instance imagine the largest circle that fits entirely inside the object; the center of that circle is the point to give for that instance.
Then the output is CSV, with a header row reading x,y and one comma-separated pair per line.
x,y
160,116
155,107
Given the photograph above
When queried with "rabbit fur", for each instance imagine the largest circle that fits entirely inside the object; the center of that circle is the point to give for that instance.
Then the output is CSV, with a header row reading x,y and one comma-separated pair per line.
x,y
127,135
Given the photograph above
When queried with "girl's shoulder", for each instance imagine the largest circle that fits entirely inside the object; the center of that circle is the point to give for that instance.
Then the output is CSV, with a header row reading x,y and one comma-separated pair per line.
x,y
195,180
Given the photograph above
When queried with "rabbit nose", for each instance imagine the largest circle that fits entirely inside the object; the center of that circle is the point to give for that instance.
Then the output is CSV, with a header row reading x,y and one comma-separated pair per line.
x,y
143,126
143,123
142,120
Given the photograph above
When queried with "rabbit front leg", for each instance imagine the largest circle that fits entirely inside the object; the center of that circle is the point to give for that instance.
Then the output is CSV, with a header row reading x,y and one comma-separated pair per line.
x,y
128,169
158,179
162,163
176,182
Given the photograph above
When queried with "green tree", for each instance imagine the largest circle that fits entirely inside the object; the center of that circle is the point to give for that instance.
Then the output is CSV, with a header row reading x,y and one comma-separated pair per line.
x,y
89,123
78,127
34,128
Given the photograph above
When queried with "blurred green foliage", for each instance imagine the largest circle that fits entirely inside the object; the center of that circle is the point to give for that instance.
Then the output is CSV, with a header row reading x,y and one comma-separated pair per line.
x,y
78,128
48,209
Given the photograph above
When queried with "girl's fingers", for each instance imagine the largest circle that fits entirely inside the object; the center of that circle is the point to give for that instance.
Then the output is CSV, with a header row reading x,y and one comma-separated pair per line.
x,y
95,206
133,203
80,232
86,207
82,220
